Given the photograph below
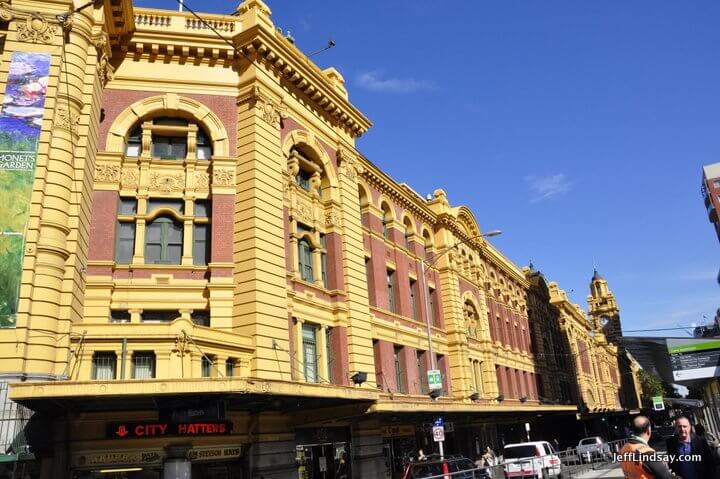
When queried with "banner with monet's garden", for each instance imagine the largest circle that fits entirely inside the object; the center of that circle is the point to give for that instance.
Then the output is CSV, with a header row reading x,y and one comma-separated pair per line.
x,y
20,121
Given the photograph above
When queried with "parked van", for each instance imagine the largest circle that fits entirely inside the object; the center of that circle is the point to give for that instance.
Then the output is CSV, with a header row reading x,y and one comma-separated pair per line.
x,y
535,459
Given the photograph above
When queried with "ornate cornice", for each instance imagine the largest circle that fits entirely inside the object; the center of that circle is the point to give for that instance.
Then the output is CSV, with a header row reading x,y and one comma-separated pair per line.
x,y
283,57
409,201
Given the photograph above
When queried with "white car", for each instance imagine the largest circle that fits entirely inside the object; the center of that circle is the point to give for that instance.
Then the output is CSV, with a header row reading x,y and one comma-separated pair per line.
x,y
535,459
592,448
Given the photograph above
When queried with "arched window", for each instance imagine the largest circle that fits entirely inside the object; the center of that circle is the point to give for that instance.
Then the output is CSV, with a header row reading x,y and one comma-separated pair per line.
x,y
305,260
171,139
408,231
164,241
427,243
472,319
364,202
307,173
386,220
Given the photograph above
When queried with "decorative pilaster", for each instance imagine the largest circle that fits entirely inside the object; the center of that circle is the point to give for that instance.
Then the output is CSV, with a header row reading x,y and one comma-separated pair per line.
x,y
359,331
259,248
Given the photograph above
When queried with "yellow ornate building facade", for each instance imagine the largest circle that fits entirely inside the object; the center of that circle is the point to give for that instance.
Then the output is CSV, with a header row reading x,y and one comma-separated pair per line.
x,y
215,281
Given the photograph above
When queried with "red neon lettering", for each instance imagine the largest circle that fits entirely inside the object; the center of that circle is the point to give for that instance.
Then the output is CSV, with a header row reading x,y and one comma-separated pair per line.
x,y
162,427
221,428
140,430
182,428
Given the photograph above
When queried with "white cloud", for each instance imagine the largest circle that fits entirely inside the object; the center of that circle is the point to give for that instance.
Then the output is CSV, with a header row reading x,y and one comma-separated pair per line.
x,y
545,187
375,82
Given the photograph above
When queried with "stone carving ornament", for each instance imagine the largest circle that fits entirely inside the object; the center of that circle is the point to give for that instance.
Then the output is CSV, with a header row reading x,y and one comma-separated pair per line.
x,y
66,119
129,178
107,173
202,180
35,29
5,12
346,164
304,211
223,177
166,182
332,218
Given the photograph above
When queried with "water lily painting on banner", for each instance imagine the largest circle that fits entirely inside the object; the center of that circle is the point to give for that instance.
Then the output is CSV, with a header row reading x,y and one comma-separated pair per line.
x,y
20,122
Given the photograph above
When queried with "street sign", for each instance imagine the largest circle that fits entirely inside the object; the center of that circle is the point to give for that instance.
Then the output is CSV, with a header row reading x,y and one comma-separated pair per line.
x,y
438,433
658,404
527,427
439,422
434,379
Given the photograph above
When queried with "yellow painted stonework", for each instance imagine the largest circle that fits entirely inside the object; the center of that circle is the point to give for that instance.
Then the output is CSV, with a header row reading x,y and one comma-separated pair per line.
x,y
66,300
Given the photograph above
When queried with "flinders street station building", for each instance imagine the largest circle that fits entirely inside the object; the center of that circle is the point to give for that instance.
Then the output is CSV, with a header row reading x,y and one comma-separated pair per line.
x,y
200,273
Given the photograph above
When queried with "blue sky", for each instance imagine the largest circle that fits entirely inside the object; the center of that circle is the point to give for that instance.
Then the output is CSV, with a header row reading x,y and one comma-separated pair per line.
x,y
579,128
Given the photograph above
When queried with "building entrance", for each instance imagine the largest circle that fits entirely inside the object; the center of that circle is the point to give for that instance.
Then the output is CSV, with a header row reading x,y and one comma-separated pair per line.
x,y
323,461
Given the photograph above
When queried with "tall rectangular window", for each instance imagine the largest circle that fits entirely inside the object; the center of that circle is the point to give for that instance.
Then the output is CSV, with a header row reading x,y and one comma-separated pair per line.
x,y
201,243
370,282
433,307
305,260
422,372
143,365
125,245
203,209
163,241
414,298
230,367
323,260
310,358
399,370
103,365
391,290
328,353
206,365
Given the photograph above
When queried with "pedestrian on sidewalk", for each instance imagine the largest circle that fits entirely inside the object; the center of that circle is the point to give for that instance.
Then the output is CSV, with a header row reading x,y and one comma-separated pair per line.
x,y
685,443
635,456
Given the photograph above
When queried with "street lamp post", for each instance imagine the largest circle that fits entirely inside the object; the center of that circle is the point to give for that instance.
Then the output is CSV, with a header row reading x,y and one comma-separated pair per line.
x,y
428,326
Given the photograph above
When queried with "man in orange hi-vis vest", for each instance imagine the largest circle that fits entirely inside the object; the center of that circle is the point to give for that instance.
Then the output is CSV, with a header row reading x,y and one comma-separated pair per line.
x,y
636,457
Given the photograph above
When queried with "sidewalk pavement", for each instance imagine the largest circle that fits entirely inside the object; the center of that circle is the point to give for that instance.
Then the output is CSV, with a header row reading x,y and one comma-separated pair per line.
x,y
613,472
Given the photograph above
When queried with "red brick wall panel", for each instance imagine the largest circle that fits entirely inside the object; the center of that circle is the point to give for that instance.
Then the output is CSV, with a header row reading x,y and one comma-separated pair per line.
x,y
223,209
411,370
334,261
103,225
339,349
385,365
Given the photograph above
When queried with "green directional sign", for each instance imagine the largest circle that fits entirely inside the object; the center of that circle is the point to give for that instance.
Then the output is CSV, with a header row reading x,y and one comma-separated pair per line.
x,y
434,379
658,404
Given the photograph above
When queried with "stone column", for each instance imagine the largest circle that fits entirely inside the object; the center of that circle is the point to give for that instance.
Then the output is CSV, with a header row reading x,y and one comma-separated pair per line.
x,y
51,295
